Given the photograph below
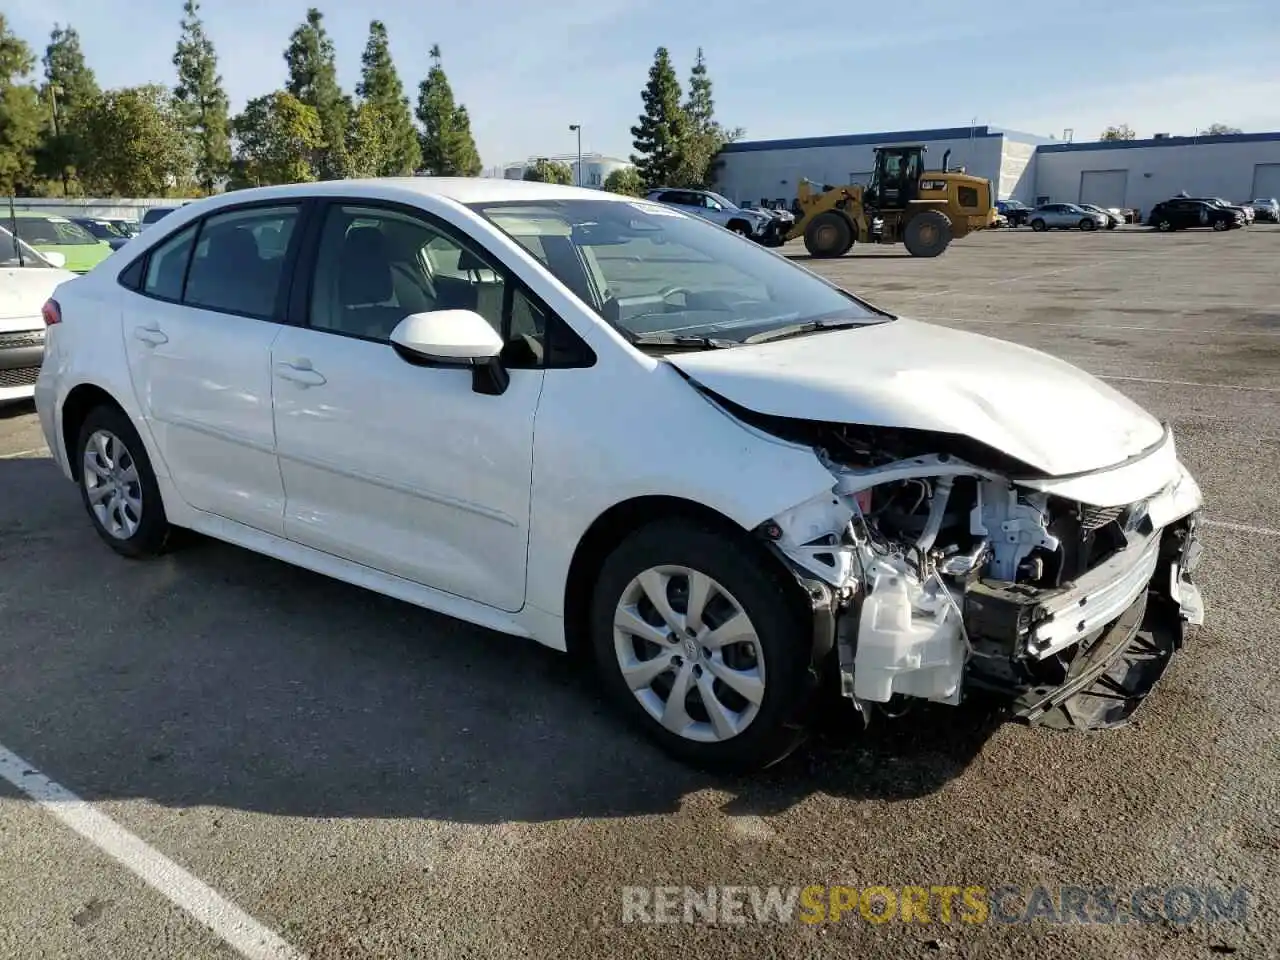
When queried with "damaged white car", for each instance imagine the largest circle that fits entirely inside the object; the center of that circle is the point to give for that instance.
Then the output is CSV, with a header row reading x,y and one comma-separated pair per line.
x,y
622,431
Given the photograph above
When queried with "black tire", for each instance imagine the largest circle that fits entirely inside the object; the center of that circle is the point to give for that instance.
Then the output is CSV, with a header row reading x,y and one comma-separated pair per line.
x,y
1221,225
152,534
927,234
777,727
1039,226
1164,225
739,227
1087,224
828,235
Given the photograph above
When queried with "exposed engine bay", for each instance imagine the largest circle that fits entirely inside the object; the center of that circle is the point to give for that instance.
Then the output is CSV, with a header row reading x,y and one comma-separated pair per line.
x,y
947,577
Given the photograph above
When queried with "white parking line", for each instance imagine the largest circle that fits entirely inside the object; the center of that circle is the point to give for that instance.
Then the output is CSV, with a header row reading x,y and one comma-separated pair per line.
x,y
1032,276
1184,383
1242,527
1103,328
244,934
23,453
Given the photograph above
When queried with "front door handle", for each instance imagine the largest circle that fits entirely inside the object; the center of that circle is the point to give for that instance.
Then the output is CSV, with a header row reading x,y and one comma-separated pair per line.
x,y
297,373
153,336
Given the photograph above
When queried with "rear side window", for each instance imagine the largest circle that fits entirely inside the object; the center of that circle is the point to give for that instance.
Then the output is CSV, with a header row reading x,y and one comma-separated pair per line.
x,y
238,265
968,197
167,266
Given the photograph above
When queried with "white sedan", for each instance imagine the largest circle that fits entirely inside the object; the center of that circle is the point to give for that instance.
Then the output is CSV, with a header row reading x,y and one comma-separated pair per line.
x,y
621,431
27,278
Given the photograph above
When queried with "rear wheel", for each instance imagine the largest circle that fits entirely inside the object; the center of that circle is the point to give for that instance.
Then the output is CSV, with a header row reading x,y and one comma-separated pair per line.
x,y
927,234
1164,226
1039,226
119,487
697,641
828,235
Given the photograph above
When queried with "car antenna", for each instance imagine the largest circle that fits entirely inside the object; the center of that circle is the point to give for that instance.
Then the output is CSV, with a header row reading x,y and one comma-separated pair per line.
x,y
13,224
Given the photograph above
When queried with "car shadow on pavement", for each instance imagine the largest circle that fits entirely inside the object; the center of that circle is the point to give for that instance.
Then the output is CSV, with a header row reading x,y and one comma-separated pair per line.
x,y
17,408
215,676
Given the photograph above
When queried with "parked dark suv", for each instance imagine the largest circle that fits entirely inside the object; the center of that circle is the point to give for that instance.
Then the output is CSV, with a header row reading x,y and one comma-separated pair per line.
x,y
1181,213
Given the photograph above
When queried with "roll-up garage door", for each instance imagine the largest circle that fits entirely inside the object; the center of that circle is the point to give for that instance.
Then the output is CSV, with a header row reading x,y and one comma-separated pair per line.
x,y
1266,181
1103,188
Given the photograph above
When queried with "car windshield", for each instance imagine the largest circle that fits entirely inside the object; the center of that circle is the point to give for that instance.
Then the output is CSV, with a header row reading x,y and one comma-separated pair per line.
x,y
655,274
723,201
16,253
53,232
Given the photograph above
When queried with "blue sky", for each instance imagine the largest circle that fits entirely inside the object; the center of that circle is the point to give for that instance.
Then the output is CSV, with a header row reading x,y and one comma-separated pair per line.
x,y
527,70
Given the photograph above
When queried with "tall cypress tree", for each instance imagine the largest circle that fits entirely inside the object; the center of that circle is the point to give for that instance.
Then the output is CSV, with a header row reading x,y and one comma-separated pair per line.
x,y
201,100
448,149
661,131
19,113
380,86
704,136
313,79
69,91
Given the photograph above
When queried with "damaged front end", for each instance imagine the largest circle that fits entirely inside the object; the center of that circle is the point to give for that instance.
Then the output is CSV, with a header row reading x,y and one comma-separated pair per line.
x,y
940,569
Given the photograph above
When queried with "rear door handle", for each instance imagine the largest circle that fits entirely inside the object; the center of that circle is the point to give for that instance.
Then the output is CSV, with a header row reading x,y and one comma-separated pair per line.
x,y
152,336
299,374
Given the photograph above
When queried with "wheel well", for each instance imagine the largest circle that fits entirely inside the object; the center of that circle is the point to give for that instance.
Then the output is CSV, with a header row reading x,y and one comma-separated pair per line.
x,y
610,529
75,408
738,222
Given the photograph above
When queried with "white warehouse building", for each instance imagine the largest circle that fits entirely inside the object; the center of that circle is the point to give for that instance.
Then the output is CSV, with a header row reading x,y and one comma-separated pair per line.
x,y
1020,166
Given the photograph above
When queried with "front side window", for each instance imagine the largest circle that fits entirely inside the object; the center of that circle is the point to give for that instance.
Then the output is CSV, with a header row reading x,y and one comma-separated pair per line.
x,y
647,270
968,197
376,266
238,264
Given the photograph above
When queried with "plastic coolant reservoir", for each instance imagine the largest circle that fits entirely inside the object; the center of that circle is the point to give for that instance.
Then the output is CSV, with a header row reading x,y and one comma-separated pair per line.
x,y
913,648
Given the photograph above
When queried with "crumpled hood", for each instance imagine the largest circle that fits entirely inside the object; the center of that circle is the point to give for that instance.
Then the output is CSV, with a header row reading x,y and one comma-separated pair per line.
x,y
1045,412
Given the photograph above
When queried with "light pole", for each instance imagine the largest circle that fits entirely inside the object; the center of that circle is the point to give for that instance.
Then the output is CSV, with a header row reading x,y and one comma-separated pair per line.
x,y
577,128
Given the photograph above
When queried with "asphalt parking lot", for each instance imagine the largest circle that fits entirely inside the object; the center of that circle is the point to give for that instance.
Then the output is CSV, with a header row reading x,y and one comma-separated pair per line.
x,y
365,779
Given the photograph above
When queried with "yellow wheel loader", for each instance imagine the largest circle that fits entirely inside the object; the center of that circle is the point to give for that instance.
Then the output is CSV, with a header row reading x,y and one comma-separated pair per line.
x,y
904,203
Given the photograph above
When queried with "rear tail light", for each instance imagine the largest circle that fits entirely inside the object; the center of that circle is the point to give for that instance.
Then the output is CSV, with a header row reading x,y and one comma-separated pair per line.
x,y
51,312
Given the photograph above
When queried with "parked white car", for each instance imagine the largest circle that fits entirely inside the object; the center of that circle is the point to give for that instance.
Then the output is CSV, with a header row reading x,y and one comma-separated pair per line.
x,y
613,428
27,278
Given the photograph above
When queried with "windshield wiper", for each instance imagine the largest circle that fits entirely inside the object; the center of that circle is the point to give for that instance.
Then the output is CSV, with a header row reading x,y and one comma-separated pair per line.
x,y
680,340
795,329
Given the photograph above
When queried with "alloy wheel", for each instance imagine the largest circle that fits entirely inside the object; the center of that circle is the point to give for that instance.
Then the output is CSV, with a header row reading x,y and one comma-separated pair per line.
x,y
112,485
689,653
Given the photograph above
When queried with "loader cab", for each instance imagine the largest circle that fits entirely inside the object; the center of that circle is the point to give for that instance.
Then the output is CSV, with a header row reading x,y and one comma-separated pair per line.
x,y
896,180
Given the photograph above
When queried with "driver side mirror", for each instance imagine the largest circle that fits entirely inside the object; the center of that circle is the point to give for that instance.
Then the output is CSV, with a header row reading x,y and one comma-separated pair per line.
x,y
453,338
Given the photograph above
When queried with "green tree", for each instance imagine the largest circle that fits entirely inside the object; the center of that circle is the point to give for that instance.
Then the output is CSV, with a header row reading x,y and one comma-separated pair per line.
x,y
661,130
313,79
380,86
549,171
19,113
626,181
70,89
276,135
704,137
1220,130
372,141
1122,132
201,101
448,149
135,138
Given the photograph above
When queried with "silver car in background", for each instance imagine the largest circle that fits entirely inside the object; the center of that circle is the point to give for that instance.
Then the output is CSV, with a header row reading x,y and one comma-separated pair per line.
x,y
1065,216
711,206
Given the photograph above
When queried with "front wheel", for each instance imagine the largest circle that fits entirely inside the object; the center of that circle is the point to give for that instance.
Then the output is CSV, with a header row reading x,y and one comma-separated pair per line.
x,y
1087,224
697,640
1221,225
828,235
